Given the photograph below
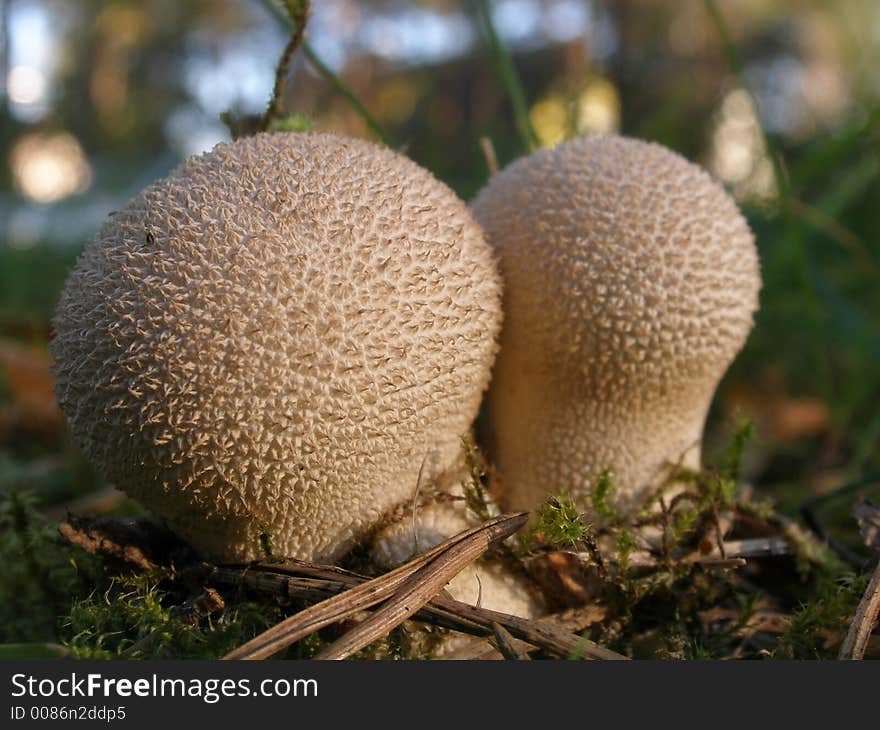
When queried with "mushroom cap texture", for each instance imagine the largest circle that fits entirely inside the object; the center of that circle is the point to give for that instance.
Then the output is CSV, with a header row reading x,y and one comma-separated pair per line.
x,y
630,282
270,340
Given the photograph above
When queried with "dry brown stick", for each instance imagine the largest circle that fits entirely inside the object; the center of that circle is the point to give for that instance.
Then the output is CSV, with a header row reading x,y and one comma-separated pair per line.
x,y
314,583
302,569
442,611
313,590
316,590
572,620
863,622
725,563
355,599
421,586
734,553
94,543
539,632
509,647
299,15
756,547
478,650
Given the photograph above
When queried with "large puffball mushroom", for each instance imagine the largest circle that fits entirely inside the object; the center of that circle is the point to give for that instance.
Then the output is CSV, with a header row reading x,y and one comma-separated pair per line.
x,y
264,346
630,282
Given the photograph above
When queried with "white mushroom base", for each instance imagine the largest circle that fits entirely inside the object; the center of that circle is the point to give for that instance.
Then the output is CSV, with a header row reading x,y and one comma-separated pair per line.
x,y
487,583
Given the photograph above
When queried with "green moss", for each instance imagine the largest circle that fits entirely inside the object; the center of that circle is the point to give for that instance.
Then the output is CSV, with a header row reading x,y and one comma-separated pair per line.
x,y
475,493
557,523
408,641
292,123
626,543
266,544
52,593
663,607
39,575
815,628
133,619
603,490
731,459
812,556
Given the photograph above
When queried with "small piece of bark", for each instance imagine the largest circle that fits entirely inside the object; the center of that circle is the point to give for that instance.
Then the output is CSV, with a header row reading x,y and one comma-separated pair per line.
x,y
138,541
867,514
95,543
569,578
202,606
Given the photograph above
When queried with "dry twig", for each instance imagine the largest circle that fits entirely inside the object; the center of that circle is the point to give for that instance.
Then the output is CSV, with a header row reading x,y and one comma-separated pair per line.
x,y
541,633
423,584
509,647
552,634
489,155
867,515
863,622
298,12
94,542
363,596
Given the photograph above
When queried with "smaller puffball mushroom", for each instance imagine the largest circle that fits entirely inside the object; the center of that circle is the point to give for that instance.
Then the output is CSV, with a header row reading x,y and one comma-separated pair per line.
x,y
489,582
262,347
630,282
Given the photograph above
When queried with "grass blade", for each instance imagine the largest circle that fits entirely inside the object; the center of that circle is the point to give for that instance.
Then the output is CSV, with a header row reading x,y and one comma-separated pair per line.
x,y
509,78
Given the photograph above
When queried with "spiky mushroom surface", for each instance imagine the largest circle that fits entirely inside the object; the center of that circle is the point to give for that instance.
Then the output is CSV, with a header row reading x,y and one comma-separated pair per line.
x,y
630,282
264,346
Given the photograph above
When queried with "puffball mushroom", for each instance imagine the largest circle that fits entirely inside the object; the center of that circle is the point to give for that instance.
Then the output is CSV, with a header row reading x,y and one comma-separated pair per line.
x,y
630,282
264,346
491,583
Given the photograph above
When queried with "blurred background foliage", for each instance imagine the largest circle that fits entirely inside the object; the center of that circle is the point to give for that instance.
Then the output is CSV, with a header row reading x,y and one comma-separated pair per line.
x,y
780,99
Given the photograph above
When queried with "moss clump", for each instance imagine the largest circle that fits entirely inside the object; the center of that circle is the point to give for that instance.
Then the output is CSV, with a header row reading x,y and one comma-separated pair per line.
x,y
557,523
475,493
409,641
602,492
668,587
814,629
292,123
52,593
39,573
135,619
